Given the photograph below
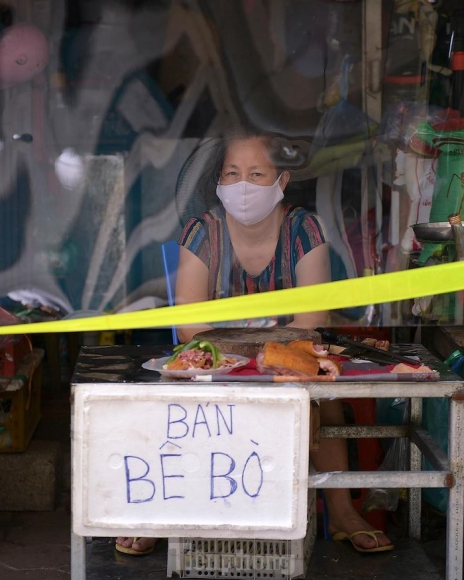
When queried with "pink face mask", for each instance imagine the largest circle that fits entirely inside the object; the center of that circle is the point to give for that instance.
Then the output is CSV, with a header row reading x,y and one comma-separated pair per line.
x,y
249,203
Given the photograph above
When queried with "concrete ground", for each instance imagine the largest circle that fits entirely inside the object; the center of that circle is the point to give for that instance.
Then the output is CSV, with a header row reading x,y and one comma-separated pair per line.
x,y
35,545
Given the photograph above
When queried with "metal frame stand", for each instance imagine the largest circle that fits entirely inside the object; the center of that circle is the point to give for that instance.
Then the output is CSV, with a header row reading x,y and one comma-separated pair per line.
x,y
447,468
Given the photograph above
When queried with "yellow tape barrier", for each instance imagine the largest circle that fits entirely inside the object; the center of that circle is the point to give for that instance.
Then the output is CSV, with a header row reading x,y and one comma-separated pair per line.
x,y
334,295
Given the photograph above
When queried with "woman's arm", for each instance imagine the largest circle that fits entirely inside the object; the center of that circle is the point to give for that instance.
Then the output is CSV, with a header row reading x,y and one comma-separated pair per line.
x,y
191,286
313,268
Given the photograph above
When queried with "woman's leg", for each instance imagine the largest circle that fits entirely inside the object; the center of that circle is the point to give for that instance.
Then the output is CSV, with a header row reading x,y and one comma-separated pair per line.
x,y
332,455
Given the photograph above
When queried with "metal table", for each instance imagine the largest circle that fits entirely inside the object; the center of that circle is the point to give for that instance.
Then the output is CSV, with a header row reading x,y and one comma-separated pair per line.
x,y
123,364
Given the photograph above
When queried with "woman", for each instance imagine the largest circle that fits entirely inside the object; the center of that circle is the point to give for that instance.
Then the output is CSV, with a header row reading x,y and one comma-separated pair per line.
x,y
254,242
251,242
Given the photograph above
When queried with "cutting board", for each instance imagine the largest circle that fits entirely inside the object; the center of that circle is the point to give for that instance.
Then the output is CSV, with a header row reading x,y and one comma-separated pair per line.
x,y
248,341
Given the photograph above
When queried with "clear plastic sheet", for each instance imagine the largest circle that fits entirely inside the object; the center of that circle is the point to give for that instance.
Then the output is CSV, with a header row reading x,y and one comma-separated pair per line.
x,y
341,124
396,459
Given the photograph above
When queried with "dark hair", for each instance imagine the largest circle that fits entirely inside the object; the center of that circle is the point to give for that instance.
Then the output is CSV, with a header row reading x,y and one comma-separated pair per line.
x,y
280,151
277,145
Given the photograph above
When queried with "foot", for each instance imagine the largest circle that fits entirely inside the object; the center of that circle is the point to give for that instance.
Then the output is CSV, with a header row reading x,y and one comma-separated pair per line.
x,y
137,545
353,522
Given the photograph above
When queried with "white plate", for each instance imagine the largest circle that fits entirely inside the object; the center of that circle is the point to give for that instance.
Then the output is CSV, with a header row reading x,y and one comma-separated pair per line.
x,y
157,365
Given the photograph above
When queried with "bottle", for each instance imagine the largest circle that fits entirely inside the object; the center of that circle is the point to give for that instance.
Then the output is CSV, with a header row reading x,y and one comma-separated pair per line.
x,y
457,62
404,79
458,234
455,362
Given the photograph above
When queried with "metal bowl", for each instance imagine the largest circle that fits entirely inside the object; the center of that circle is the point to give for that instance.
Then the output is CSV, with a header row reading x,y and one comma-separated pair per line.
x,y
433,232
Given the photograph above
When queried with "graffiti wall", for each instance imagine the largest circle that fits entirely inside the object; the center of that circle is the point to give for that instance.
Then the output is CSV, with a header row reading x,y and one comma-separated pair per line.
x,y
110,115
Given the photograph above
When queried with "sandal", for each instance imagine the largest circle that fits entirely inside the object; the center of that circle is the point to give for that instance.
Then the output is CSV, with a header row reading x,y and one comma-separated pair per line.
x,y
372,533
134,552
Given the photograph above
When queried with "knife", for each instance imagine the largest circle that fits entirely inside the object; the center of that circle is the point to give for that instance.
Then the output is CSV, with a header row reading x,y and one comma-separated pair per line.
x,y
339,339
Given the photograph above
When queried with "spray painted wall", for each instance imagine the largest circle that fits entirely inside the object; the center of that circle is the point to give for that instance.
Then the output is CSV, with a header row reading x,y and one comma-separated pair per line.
x,y
110,115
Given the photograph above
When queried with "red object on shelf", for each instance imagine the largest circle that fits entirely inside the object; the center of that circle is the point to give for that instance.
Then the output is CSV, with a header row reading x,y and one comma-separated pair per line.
x,y
12,354
20,404
13,347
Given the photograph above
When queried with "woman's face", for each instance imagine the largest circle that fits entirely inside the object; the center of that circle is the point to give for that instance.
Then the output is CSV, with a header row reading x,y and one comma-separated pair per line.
x,y
249,160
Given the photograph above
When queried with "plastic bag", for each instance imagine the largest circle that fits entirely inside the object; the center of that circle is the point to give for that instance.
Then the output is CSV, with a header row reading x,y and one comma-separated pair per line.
x,y
343,131
396,459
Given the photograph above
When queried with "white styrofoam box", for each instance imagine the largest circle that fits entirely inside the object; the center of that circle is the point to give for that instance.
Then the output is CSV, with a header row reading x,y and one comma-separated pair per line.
x,y
239,558
193,460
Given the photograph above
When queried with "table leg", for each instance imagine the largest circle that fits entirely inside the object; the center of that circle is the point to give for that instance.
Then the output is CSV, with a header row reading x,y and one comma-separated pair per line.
x,y
78,543
455,535
415,459
77,557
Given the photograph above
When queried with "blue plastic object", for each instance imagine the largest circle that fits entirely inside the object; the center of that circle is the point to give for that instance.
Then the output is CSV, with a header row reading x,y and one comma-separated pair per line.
x,y
170,252
456,362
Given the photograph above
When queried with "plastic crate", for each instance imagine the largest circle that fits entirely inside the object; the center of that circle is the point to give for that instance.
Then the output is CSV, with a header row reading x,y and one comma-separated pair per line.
x,y
238,558
20,403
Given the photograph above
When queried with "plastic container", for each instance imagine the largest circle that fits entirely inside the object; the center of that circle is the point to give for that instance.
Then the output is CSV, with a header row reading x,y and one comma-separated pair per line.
x,y
238,558
455,361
